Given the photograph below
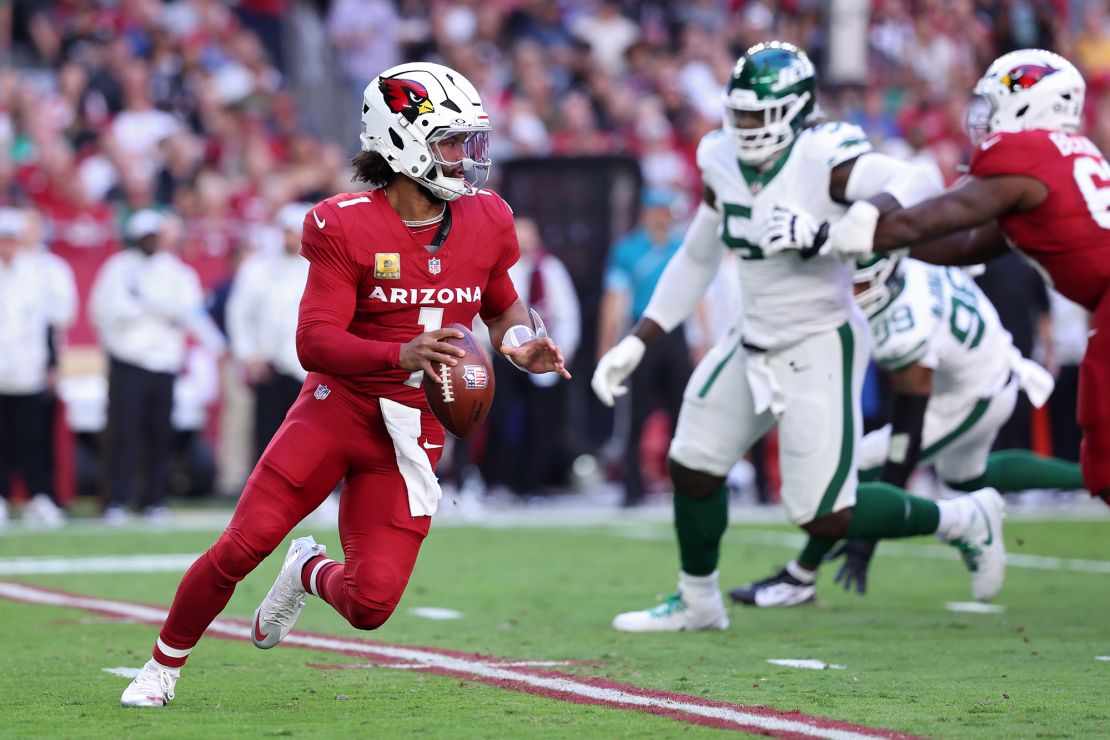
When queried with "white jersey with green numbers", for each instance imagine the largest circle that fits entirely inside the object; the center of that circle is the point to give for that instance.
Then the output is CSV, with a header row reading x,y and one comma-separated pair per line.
x,y
785,298
938,317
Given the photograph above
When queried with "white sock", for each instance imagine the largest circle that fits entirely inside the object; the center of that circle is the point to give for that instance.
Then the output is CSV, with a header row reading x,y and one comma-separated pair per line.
x,y
951,519
698,587
802,574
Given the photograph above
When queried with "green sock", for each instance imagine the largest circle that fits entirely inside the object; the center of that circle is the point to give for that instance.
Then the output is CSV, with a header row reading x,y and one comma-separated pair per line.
x,y
814,552
700,524
1021,470
870,475
884,511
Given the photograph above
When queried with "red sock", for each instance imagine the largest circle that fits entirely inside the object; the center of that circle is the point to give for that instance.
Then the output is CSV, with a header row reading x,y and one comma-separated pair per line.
x,y
312,574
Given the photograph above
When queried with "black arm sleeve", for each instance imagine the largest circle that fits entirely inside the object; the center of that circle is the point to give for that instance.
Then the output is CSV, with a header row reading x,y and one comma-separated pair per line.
x,y
905,439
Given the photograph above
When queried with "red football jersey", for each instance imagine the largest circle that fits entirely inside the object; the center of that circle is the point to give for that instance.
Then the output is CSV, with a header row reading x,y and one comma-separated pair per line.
x,y
380,287
1068,234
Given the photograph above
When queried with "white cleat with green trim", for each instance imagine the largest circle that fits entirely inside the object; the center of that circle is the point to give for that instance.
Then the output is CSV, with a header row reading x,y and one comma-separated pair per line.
x,y
696,606
979,539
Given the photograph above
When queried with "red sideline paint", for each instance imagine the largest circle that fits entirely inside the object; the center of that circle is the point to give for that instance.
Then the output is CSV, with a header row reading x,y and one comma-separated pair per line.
x,y
485,669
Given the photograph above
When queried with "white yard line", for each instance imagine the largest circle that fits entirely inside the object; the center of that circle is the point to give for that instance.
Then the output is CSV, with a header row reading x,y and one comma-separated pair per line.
x,y
797,540
808,663
640,531
974,607
936,552
100,564
435,612
556,512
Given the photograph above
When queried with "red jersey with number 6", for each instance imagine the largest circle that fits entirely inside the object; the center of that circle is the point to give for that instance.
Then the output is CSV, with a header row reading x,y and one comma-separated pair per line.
x,y
373,286
1068,234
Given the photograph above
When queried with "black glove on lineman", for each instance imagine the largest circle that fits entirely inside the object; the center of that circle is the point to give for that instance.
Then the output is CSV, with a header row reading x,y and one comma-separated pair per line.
x,y
857,558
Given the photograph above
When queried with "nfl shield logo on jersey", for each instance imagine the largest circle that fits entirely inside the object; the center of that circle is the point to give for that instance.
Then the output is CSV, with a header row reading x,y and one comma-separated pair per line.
x,y
475,377
322,392
434,265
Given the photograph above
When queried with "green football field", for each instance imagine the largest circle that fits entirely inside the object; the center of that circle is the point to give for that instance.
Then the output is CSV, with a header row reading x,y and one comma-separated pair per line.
x,y
532,653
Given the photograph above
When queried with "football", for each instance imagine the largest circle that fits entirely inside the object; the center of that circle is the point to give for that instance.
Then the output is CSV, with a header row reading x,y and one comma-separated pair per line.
x,y
462,400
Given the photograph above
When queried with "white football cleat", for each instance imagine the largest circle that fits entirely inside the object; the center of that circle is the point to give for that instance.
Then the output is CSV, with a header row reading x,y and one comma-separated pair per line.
x,y
278,612
158,516
153,687
780,590
117,516
697,606
979,539
42,512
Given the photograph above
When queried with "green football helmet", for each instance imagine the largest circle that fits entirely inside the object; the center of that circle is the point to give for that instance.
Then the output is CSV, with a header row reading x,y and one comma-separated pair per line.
x,y
773,84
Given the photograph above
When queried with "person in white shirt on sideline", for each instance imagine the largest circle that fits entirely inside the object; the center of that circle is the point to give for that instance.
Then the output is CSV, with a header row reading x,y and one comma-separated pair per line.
x,y
37,296
262,312
45,509
195,390
145,301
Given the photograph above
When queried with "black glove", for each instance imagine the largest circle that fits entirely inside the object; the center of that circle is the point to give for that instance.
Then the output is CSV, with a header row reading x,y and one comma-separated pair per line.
x,y
857,557
819,240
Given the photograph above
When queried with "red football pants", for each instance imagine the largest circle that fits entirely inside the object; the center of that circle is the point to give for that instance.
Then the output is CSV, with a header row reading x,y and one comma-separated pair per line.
x,y
320,442
1093,413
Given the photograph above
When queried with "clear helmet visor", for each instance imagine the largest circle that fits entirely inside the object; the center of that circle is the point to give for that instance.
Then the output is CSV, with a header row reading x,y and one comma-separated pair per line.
x,y
977,119
462,154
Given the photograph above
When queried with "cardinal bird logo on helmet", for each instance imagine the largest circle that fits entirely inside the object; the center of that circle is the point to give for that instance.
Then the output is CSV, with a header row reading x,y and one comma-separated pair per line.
x,y
1024,76
407,97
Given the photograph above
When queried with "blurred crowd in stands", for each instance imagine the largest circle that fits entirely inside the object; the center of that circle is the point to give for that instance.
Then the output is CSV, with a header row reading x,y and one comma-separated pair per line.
x,y
221,113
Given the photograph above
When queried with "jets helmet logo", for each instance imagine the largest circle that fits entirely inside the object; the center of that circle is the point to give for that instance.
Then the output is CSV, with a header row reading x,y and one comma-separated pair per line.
x,y
1024,76
407,97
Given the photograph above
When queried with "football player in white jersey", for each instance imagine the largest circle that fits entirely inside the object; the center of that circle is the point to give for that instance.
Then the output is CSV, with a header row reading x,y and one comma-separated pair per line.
x,y
955,374
798,355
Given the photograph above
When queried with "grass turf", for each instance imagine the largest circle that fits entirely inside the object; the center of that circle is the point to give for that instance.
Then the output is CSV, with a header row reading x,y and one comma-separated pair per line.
x,y
549,594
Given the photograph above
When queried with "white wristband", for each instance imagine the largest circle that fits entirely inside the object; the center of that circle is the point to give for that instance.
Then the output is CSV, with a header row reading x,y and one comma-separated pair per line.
x,y
516,336
853,234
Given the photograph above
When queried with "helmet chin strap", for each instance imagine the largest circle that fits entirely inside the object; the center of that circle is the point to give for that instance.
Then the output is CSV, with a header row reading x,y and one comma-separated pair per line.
x,y
434,186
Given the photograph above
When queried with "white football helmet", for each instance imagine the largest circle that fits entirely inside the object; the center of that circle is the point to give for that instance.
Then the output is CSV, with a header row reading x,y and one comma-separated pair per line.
x,y
875,282
1026,89
410,110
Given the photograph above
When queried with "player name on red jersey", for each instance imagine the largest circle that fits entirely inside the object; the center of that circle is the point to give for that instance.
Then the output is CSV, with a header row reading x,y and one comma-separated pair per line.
x,y
1069,144
427,296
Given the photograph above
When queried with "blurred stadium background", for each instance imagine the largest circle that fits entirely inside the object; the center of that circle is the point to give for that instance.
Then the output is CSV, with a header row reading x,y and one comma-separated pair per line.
x,y
224,112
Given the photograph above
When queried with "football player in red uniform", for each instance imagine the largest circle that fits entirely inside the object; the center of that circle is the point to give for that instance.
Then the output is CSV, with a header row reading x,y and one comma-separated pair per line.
x,y
1034,185
390,266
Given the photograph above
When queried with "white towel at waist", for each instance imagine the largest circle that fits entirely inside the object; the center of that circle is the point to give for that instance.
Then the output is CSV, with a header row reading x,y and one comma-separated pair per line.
x,y
765,388
403,424
1037,382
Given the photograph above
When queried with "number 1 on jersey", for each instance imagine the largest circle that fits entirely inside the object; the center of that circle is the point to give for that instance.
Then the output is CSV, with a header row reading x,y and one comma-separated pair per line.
x,y
430,319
